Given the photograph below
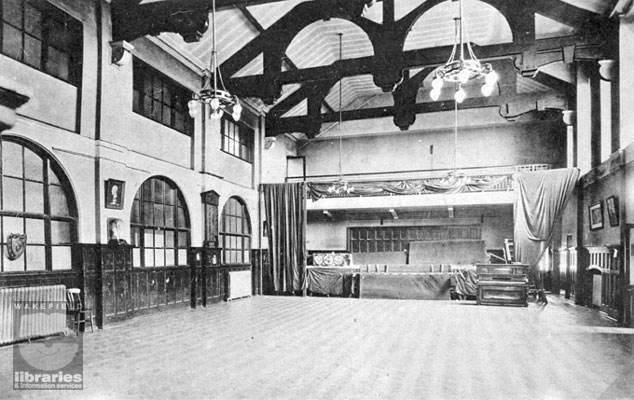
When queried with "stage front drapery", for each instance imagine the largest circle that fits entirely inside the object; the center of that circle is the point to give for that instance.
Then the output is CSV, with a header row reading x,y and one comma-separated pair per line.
x,y
285,209
540,199
412,286
448,185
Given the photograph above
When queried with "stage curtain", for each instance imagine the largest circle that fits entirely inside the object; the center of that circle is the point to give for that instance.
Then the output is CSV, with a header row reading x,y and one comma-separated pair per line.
x,y
285,209
540,199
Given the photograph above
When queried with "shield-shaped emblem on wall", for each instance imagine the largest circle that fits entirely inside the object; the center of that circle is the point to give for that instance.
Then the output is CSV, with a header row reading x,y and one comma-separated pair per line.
x,y
16,243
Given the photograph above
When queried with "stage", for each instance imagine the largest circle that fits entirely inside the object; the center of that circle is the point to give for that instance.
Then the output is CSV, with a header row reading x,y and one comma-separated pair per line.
x,y
414,282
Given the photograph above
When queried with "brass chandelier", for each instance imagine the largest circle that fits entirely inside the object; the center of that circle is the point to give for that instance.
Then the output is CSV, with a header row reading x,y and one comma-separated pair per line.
x,y
217,97
462,66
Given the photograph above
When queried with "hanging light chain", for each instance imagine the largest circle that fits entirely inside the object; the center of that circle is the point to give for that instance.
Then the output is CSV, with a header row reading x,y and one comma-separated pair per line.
x,y
464,69
218,98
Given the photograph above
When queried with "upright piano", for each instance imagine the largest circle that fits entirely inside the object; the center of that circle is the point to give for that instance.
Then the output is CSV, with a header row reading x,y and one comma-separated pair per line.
x,y
505,284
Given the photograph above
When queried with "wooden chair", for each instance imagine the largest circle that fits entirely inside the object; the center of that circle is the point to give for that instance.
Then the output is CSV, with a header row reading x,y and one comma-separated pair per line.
x,y
75,307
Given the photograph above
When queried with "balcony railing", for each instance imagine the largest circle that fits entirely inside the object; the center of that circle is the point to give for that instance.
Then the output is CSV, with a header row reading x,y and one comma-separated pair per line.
x,y
489,179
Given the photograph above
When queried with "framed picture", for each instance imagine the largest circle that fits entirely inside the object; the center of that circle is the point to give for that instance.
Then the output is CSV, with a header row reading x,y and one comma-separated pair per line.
x,y
596,215
612,204
114,194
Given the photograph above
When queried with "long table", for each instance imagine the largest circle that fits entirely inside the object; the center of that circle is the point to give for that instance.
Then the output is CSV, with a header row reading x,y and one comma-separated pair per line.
x,y
415,286
336,281
350,281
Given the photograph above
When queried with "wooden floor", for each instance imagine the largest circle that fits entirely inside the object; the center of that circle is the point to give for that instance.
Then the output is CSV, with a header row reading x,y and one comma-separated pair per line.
x,y
337,348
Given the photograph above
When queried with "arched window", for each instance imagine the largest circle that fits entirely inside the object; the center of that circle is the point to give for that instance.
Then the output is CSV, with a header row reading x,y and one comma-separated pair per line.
x,y
37,201
159,225
235,233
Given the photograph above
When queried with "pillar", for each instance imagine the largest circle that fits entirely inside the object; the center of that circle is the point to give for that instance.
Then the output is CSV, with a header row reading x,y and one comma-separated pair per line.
x,y
626,82
588,122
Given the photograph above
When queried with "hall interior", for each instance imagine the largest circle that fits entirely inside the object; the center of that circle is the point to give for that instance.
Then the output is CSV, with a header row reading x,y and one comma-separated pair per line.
x,y
163,155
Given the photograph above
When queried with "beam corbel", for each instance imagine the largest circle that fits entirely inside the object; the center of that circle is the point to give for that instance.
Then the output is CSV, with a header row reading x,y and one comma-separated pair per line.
x,y
12,96
130,20
405,99
388,55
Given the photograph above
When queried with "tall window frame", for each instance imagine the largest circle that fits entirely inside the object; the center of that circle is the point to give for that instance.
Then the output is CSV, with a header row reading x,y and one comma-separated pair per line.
x,y
37,200
159,225
160,98
237,139
235,232
38,34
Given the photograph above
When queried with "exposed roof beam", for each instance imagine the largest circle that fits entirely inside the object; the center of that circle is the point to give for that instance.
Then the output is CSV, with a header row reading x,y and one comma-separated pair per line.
x,y
251,18
220,4
554,82
224,4
565,13
298,124
548,51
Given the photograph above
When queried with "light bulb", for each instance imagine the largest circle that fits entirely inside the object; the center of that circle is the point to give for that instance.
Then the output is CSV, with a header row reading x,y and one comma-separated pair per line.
x,y
236,116
437,83
192,105
491,78
214,103
237,108
464,75
434,94
487,89
460,95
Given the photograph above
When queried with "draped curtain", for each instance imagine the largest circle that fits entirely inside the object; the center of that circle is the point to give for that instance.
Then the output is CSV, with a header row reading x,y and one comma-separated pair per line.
x,y
285,209
540,199
449,185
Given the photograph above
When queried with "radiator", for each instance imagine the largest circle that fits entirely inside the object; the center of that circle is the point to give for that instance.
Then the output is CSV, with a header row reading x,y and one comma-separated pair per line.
x,y
29,312
239,284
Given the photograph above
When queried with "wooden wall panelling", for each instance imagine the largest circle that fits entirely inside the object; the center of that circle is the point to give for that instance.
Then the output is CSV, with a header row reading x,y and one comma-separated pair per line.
x,y
154,289
69,278
175,295
186,287
259,259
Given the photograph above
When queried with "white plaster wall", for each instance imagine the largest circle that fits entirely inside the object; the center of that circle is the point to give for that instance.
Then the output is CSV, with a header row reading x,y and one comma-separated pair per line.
x,y
274,163
501,145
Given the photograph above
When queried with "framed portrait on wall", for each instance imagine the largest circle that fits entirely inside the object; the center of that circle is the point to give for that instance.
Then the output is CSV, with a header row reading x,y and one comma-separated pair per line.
x,y
612,205
596,215
114,194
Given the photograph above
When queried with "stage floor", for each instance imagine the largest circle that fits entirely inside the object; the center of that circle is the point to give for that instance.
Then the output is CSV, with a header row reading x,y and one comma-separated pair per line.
x,y
346,348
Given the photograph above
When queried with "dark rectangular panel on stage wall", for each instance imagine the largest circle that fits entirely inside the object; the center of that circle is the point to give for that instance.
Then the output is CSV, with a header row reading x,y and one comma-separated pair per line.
x,y
448,252
394,257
